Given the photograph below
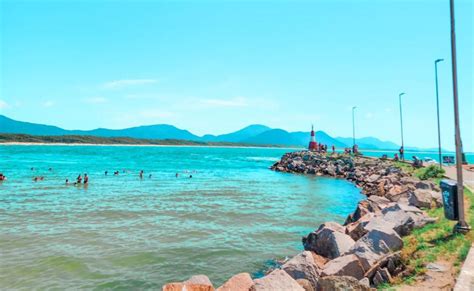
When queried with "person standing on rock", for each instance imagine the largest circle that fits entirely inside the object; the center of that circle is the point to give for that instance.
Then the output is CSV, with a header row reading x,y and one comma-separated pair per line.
x,y
402,153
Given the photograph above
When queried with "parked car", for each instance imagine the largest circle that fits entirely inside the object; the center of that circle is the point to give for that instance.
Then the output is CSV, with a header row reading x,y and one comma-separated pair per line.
x,y
428,160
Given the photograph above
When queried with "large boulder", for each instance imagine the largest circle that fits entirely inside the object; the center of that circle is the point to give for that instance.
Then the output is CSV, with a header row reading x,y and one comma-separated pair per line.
x,y
385,268
341,283
385,234
422,198
377,203
239,282
347,265
195,283
402,222
375,244
356,230
276,280
303,266
328,242
425,185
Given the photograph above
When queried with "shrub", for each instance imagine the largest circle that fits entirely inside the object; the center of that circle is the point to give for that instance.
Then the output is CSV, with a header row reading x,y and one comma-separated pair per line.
x,y
430,172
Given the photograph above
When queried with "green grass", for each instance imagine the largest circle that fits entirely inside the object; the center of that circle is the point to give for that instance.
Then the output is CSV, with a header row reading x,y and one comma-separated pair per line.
x,y
436,242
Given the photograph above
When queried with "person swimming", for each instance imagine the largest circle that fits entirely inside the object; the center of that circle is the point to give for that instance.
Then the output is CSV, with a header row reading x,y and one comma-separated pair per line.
x,y
79,179
141,174
2,177
149,176
190,176
38,178
177,175
67,181
116,173
106,172
86,178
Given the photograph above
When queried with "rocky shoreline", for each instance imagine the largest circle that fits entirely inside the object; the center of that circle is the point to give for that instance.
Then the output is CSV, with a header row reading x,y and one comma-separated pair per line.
x,y
362,253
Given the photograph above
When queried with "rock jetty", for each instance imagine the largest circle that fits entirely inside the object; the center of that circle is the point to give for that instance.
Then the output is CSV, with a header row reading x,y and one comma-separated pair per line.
x,y
360,254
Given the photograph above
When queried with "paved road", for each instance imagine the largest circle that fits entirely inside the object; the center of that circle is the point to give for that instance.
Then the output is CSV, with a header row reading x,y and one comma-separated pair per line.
x,y
468,176
465,280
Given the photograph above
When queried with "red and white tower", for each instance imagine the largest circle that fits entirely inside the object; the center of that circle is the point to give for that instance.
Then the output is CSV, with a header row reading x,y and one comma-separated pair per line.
x,y
312,144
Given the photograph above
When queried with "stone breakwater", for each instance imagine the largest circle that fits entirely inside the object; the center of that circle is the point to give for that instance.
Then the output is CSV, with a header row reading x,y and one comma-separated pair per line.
x,y
362,253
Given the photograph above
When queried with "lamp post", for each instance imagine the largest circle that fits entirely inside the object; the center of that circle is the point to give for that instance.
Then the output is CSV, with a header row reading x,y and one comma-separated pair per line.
x,y
401,122
353,128
437,111
462,225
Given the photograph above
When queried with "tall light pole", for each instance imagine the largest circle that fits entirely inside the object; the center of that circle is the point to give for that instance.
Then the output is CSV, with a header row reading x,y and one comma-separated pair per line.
x,y
401,121
437,111
462,225
353,128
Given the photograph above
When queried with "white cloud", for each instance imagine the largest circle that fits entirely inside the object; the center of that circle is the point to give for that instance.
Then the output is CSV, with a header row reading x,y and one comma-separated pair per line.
x,y
234,102
125,83
3,104
48,104
96,100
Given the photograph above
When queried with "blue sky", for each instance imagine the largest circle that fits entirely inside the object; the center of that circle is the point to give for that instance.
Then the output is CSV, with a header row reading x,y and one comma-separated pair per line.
x,y
217,66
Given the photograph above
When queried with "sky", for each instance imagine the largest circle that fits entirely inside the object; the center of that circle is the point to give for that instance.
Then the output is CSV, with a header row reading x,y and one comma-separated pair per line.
x,y
217,66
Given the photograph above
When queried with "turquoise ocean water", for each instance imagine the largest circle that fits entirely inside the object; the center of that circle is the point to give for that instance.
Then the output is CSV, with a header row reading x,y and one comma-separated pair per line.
x,y
234,215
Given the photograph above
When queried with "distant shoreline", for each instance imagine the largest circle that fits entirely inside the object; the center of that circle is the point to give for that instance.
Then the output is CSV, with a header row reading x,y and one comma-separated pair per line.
x,y
140,145
198,145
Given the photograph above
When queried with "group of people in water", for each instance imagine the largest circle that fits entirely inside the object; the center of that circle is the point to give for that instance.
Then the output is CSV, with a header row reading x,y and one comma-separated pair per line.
x,y
84,180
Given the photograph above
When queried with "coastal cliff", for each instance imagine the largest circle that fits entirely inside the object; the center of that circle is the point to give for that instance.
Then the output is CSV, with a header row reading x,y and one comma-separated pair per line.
x,y
365,251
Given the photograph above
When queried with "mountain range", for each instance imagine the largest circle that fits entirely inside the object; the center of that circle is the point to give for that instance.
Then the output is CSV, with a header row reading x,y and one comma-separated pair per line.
x,y
252,134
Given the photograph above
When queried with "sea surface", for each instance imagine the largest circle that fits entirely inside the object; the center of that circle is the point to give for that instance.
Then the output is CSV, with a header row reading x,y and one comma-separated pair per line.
x,y
122,232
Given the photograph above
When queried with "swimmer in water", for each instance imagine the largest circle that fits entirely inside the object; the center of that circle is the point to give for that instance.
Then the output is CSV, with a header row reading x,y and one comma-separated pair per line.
x,y
106,172
190,176
67,181
141,174
3,177
149,176
177,175
79,179
86,178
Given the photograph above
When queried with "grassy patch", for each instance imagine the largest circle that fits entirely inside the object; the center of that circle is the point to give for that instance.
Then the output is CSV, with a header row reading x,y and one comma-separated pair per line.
x,y
436,242
430,172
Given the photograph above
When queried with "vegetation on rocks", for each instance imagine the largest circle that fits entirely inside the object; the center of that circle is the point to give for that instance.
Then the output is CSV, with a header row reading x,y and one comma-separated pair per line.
x,y
430,172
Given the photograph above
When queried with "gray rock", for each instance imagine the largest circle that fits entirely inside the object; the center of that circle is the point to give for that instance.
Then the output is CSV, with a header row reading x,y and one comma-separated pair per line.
x,y
424,185
387,235
421,198
402,222
276,280
303,266
372,178
305,284
369,254
328,242
365,282
347,265
199,279
341,283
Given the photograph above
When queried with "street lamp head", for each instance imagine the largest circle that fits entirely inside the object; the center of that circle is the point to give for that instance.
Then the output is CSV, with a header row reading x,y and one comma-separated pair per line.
x,y
354,107
401,94
439,60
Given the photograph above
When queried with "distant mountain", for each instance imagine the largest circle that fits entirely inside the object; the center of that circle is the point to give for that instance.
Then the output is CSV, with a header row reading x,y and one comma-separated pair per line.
x,y
274,136
369,143
238,136
8,125
252,134
160,131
